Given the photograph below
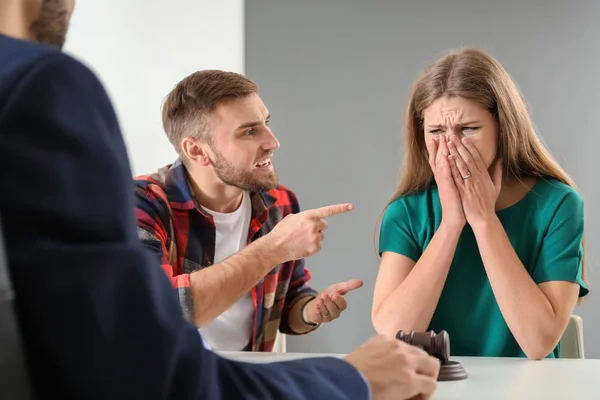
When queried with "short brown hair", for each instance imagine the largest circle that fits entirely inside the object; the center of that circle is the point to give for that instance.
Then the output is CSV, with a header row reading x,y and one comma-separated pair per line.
x,y
187,107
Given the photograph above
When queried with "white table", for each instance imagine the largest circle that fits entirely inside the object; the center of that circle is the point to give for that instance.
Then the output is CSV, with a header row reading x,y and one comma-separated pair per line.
x,y
495,378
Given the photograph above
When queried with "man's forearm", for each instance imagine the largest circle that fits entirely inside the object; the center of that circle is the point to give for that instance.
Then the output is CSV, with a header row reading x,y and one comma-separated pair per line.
x,y
216,288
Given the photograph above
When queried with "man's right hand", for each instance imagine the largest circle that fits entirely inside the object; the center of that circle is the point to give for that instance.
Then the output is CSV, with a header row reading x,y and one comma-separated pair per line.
x,y
299,235
396,370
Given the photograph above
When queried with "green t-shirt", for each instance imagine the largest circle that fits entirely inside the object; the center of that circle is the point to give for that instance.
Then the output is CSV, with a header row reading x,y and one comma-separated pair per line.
x,y
545,229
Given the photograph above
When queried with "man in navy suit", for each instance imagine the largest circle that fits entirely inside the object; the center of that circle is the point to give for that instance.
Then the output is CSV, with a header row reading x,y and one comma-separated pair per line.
x,y
98,315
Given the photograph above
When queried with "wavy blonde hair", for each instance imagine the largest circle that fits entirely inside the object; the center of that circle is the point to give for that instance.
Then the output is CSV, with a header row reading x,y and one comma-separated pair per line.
x,y
474,75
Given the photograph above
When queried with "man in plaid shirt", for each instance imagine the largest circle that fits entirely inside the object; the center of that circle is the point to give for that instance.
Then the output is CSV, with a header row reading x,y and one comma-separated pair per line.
x,y
229,236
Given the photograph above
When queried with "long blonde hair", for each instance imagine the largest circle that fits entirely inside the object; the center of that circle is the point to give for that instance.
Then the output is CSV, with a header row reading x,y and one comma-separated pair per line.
x,y
474,75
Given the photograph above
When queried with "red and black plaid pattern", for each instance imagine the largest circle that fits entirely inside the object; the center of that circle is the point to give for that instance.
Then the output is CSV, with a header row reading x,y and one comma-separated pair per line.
x,y
174,227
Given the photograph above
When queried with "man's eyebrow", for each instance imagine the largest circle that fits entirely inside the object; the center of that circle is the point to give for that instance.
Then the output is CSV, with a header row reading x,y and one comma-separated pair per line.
x,y
249,124
253,123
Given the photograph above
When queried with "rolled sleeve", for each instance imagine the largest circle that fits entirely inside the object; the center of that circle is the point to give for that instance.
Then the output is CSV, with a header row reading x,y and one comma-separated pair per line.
x,y
297,290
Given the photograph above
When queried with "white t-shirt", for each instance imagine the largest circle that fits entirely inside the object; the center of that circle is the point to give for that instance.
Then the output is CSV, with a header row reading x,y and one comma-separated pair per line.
x,y
232,329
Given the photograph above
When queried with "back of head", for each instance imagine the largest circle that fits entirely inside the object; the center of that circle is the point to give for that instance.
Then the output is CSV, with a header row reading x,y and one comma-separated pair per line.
x,y
476,76
187,108
43,21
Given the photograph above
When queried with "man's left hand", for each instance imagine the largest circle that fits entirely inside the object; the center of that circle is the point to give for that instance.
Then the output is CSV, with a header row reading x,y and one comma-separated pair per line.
x,y
330,303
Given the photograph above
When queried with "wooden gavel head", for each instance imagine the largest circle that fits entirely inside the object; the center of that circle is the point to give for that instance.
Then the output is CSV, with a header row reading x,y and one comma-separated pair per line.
x,y
436,345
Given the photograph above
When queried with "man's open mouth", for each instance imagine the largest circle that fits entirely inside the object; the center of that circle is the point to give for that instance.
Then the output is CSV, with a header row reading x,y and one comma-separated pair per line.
x,y
263,164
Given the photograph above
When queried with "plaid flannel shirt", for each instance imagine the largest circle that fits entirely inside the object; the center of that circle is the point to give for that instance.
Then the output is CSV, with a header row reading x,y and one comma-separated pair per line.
x,y
173,226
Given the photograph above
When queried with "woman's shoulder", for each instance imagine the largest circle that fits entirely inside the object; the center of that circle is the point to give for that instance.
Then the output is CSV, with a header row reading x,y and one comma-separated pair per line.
x,y
552,193
551,200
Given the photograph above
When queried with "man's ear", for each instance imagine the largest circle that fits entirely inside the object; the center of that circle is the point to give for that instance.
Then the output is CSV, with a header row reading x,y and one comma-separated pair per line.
x,y
196,151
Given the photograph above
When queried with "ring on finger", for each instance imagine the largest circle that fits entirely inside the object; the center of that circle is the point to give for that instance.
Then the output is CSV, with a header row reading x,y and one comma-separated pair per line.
x,y
455,171
467,175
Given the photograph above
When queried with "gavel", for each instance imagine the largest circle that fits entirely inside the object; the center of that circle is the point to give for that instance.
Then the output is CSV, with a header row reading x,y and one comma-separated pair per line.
x,y
438,346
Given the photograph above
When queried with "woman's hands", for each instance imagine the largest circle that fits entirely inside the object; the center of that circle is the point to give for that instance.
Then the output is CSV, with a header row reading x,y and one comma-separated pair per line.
x,y
478,190
468,193
452,209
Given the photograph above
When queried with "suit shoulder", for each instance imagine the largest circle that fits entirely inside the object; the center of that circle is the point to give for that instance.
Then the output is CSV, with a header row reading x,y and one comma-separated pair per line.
x,y
22,55
28,67
54,62
52,77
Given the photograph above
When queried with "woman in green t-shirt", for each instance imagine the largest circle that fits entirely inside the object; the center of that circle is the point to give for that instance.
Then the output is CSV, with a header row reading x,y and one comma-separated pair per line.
x,y
484,236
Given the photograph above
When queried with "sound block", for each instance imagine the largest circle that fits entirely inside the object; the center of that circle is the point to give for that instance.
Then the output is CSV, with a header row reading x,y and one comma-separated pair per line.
x,y
452,371
438,346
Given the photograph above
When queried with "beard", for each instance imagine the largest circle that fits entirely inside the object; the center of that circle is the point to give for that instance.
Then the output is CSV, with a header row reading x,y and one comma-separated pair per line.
x,y
52,23
245,180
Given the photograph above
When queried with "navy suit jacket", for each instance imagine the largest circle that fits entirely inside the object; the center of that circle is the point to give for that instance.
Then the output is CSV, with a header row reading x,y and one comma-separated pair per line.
x,y
100,319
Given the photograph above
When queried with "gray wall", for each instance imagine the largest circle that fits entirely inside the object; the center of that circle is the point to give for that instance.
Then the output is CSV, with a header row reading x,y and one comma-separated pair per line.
x,y
335,75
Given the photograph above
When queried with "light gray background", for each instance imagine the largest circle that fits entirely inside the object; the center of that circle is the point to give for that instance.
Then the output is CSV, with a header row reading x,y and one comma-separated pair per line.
x,y
335,75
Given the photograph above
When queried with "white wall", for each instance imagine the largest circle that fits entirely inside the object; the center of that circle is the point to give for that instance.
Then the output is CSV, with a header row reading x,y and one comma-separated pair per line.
x,y
141,48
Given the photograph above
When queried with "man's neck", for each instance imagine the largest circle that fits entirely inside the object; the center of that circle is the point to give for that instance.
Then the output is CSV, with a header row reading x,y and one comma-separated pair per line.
x,y
212,193
13,20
